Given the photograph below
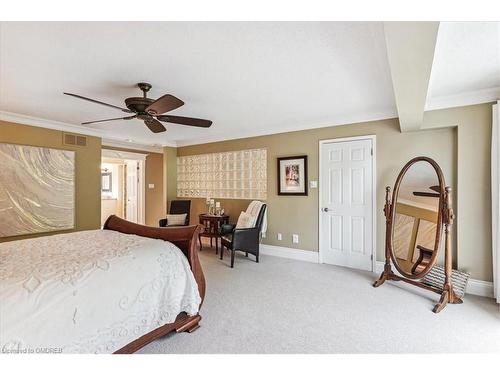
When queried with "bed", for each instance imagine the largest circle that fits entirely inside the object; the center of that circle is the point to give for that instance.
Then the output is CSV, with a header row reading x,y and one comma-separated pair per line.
x,y
99,291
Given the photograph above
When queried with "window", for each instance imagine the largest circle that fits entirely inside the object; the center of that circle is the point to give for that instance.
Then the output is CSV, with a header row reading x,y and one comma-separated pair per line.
x,y
234,175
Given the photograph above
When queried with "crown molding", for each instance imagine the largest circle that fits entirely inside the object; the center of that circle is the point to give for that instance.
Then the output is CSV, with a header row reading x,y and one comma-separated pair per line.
x,y
464,99
131,145
48,124
63,126
341,120
118,154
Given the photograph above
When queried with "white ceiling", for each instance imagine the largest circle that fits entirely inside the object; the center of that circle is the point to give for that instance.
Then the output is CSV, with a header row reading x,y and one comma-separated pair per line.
x,y
248,78
466,67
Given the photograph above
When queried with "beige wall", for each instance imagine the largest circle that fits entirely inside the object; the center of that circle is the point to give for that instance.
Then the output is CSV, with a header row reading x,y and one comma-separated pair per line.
x,y
473,208
457,138
154,197
87,170
154,175
288,215
170,173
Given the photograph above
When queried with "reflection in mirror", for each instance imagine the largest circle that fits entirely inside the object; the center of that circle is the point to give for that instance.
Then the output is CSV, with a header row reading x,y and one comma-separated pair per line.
x,y
416,217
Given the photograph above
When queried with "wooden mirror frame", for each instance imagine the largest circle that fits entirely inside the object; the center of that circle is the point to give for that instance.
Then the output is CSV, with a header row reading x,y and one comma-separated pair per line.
x,y
445,217
424,259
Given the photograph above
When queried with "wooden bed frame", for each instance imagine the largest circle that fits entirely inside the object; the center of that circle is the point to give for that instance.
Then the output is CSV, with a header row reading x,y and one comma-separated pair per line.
x,y
186,239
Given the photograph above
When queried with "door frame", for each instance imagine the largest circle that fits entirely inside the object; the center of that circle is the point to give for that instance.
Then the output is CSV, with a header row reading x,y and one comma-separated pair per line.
x,y
141,185
373,139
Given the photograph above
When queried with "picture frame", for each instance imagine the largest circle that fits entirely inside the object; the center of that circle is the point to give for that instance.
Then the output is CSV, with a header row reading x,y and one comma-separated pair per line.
x,y
292,175
106,182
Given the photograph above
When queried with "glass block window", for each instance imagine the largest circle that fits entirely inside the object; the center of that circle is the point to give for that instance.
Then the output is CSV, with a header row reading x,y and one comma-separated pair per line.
x,y
235,175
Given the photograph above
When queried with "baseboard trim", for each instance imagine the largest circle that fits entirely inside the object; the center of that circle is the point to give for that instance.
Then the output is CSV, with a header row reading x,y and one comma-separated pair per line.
x,y
474,286
480,288
288,252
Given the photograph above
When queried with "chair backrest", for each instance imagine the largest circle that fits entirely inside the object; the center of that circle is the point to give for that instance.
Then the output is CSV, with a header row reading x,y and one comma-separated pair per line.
x,y
181,207
260,218
252,210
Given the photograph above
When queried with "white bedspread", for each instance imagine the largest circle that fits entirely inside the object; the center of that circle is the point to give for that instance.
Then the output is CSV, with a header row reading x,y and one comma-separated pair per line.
x,y
90,292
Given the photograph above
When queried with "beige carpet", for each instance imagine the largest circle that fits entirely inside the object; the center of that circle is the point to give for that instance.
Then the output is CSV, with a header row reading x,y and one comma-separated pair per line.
x,y
286,306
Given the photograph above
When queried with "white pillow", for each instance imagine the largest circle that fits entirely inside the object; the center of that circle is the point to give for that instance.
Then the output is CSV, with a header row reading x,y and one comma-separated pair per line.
x,y
179,219
245,221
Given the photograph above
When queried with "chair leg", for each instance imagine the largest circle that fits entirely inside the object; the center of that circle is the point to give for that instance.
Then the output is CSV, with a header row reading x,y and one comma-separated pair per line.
x,y
201,245
232,258
211,244
216,245
246,254
221,251
257,258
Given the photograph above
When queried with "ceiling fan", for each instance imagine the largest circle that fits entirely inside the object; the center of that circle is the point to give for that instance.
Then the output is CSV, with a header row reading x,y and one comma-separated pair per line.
x,y
150,110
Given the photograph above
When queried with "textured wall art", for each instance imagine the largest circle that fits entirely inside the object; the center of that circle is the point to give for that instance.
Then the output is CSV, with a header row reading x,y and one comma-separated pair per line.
x,y
37,189
235,175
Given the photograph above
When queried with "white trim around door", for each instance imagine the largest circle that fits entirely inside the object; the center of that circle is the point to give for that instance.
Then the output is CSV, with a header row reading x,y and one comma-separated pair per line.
x,y
140,158
372,139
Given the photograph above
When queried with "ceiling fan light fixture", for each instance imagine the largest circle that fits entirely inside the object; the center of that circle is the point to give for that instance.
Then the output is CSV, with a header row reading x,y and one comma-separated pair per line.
x,y
146,109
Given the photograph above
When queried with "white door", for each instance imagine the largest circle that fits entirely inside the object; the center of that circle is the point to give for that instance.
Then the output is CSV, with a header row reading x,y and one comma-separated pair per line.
x,y
131,190
346,203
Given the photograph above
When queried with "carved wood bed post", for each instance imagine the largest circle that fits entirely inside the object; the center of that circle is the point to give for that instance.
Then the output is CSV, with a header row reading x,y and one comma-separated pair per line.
x,y
186,239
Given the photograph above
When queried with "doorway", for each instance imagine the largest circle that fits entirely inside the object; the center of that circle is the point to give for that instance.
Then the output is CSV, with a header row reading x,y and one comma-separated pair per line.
x,y
347,191
123,185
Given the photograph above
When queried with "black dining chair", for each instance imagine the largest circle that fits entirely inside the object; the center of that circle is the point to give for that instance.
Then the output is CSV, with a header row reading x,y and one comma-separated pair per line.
x,y
177,207
242,239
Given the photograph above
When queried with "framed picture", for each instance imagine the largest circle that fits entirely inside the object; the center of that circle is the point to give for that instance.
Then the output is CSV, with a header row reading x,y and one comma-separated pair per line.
x,y
106,182
292,175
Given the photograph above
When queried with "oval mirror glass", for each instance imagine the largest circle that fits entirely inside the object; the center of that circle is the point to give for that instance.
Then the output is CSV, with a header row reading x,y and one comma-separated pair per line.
x,y
416,228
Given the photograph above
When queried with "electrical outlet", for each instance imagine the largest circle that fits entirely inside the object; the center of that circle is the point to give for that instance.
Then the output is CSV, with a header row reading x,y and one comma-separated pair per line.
x,y
279,237
313,184
151,186
295,238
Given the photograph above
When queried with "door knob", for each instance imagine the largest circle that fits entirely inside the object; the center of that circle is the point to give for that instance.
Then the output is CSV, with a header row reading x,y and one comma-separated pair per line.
x,y
325,209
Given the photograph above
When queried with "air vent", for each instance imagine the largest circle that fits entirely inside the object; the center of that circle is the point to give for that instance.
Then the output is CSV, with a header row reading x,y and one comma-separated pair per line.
x,y
74,140
81,141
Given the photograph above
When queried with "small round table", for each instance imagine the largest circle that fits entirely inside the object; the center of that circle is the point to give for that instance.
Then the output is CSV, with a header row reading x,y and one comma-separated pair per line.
x,y
212,225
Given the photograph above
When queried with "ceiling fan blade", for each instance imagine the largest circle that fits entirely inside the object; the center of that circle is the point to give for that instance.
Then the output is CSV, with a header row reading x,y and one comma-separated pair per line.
x,y
154,125
164,104
186,121
110,119
98,102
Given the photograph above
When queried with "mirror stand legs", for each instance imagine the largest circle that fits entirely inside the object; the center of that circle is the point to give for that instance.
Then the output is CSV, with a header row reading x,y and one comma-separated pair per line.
x,y
380,281
448,296
387,274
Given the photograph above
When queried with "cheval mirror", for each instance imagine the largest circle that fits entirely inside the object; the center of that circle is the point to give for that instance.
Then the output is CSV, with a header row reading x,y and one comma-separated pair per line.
x,y
416,216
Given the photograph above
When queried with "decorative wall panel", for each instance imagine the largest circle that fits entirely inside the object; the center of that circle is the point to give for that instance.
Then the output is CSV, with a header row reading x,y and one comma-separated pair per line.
x,y
37,189
235,175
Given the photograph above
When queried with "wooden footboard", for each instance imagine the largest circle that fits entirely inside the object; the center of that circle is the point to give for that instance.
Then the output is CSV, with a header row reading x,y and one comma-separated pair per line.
x,y
186,239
